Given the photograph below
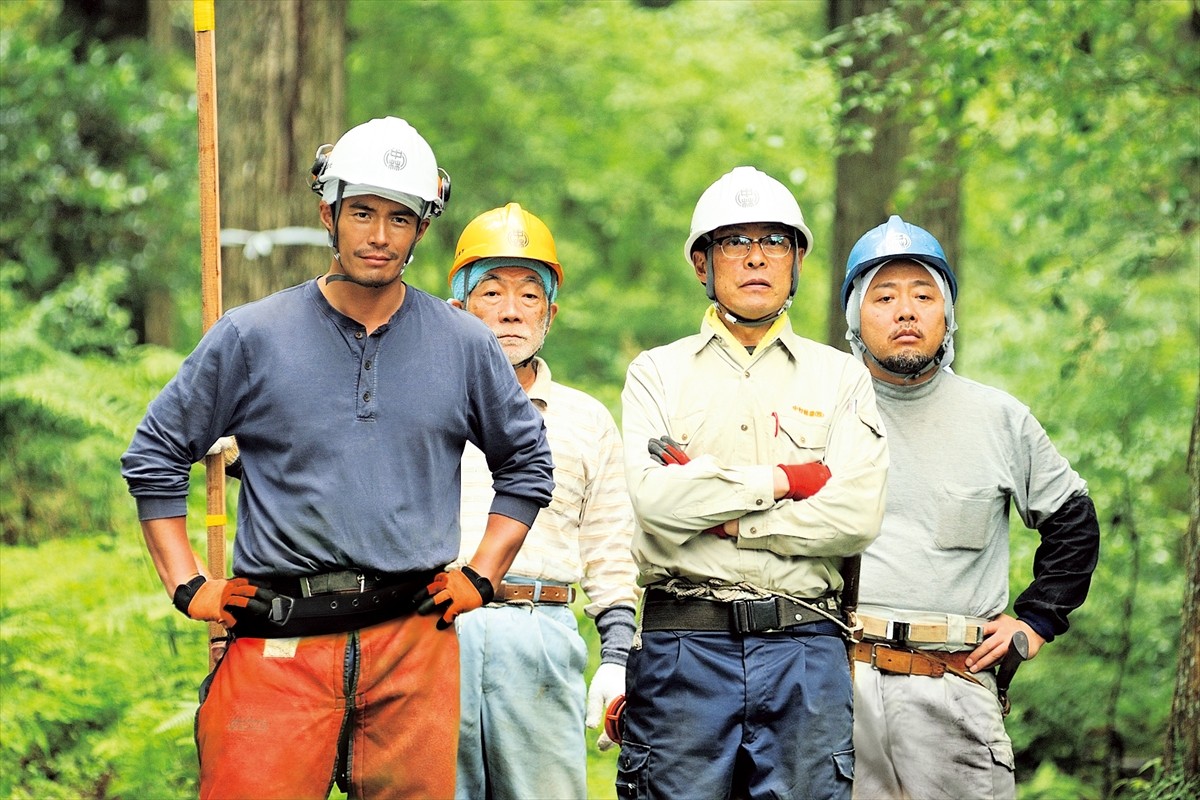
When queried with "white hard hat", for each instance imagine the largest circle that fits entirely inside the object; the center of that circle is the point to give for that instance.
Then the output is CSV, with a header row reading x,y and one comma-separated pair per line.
x,y
745,195
386,157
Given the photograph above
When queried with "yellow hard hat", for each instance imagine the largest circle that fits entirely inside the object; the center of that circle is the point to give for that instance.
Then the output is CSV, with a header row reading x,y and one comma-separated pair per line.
x,y
509,232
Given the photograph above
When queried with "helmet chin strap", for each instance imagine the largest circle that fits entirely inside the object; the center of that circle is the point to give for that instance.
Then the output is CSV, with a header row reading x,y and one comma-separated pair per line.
x,y
907,377
734,319
337,256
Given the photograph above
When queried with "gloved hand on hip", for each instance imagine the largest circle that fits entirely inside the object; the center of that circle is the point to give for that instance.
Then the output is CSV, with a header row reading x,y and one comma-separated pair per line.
x,y
215,600
607,685
805,480
454,592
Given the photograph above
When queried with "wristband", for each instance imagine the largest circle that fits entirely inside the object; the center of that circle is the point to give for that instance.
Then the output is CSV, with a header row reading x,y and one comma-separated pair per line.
x,y
487,592
184,593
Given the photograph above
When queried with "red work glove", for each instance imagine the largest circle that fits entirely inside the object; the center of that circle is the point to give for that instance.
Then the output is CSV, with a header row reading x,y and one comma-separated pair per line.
x,y
454,592
214,601
805,480
667,451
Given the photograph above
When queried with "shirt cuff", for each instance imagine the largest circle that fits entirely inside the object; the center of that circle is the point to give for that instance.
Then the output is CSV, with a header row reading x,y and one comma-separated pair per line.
x,y
1041,626
160,507
616,628
521,509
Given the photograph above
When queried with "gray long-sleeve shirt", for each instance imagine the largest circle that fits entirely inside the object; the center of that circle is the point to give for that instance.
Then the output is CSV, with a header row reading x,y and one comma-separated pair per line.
x,y
350,443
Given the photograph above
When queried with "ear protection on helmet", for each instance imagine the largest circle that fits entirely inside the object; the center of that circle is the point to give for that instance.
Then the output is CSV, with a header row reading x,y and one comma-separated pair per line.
x,y
443,193
320,162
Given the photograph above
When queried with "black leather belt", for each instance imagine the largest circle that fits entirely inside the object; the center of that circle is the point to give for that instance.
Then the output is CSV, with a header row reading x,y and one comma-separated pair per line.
x,y
334,602
347,581
664,611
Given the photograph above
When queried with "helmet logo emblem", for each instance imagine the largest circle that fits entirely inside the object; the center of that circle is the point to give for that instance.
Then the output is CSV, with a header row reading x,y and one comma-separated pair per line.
x,y
746,198
901,240
518,238
395,159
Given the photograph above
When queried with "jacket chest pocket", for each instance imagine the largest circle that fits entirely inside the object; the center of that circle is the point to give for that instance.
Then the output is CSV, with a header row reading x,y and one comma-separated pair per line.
x,y
809,435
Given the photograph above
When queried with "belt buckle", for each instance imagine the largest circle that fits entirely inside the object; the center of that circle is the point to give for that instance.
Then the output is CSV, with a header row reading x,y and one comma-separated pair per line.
x,y
333,583
281,609
757,616
874,655
896,632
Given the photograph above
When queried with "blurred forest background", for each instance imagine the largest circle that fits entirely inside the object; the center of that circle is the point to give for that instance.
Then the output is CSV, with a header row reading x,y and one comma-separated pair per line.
x,y
1053,146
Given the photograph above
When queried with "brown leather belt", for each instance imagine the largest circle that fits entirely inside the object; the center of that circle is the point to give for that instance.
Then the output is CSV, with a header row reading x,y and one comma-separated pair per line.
x,y
897,661
539,592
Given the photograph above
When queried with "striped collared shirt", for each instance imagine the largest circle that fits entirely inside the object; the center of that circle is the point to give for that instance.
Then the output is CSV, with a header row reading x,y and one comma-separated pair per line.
x,y
584,535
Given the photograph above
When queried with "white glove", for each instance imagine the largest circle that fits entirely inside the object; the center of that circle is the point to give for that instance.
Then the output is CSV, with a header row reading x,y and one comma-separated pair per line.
x,y
227,445
607,685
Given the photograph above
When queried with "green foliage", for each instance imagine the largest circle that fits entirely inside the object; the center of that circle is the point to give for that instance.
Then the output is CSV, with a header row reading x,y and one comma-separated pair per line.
x,y
67,418
607,120
1155,783
1076,125
96,669
97,157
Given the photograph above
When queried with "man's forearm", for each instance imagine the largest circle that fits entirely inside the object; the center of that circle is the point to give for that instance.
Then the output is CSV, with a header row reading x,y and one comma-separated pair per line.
x,y
171,552
502,539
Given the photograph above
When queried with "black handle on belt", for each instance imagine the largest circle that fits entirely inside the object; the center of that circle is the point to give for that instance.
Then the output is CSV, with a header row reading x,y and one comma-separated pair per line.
x,y
1018,651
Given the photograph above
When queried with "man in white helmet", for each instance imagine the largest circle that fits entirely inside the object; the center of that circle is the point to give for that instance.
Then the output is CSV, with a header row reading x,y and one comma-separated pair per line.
x,y
523,698
929,712
756,463
352,397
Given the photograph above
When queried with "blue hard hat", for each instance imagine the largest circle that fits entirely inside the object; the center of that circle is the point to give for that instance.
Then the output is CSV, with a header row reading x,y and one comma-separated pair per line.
x,y
894,240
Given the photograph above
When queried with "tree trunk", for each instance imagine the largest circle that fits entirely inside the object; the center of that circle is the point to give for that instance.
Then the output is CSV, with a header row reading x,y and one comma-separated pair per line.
x,y
1183,731
937,206
865,181
280,94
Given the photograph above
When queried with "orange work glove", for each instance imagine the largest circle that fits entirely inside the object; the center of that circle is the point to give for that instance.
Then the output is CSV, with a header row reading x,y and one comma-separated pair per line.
x,y
214,601
805,480
454,592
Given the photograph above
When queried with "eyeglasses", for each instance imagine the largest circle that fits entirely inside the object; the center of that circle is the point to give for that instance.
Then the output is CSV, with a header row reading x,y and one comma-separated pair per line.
x,y
774,245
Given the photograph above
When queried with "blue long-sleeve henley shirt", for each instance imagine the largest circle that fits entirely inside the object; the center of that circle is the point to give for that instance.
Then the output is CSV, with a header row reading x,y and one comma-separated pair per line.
x,y
350,443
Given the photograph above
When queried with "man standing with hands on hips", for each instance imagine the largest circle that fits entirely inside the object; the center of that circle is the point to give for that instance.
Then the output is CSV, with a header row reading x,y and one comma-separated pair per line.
x,y
523,706
352,397
927,719
756,463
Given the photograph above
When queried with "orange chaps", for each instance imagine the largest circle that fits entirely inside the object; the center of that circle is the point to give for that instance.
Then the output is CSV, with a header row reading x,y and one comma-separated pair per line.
x,y
278,709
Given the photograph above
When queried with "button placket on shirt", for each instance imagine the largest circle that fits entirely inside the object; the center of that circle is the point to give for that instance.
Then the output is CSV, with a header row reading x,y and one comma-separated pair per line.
x,y
366,401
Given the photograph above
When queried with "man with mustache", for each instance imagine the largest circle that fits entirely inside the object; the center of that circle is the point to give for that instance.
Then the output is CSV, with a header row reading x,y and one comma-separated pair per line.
x,y
352,397
523,701
756,464
927,721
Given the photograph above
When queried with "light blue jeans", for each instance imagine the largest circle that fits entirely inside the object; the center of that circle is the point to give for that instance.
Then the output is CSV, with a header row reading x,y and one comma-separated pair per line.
x,y
523,697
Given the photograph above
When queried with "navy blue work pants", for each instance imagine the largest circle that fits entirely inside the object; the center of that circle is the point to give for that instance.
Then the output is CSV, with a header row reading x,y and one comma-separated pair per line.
x,y
715,715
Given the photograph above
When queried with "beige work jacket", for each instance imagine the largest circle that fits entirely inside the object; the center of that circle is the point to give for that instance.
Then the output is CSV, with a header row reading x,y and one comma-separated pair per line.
x,y
737,416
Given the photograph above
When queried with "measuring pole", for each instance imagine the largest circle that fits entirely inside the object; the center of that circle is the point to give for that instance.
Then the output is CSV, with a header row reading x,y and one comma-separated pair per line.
x,y
210,280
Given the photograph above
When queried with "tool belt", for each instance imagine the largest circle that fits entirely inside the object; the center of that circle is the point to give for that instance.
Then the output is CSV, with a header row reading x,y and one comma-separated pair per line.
x,y
902,661
916,633
334,602
664,611
534,592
